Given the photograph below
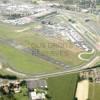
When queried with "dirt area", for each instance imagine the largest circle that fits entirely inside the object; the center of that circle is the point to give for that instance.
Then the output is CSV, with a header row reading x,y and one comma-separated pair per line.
x,y
0,66
82,90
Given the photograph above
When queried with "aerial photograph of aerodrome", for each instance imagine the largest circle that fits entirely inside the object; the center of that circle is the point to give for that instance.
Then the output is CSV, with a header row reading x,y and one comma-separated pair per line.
x,y
49,49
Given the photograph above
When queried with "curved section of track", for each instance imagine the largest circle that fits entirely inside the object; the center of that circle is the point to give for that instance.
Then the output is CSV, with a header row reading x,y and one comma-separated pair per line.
x,y
85,53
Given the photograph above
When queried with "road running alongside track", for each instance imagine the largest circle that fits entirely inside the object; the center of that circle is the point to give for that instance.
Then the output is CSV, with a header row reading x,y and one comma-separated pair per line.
x,y
68,71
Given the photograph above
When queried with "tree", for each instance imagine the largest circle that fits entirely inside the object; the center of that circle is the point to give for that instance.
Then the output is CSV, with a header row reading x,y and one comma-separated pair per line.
x,y
48,97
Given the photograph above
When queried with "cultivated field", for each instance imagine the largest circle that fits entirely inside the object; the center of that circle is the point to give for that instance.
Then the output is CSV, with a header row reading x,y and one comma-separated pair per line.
x,y
62,87
94,91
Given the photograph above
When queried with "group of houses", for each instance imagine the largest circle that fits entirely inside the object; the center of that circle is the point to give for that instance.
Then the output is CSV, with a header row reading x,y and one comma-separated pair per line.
x,y
36,89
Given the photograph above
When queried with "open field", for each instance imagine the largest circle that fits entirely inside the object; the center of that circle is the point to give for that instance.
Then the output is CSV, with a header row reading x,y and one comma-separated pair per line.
x,y
27,63
62,87
94,91
46,46
64,51
11,32
35,40
25,36
87,56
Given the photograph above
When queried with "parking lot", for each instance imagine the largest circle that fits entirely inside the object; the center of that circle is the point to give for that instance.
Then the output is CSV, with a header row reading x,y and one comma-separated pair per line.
x,y
52,21
54,26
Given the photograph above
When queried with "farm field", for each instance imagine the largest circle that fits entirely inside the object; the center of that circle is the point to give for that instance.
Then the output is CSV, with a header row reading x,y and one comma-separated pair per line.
x,y
59,87
94,91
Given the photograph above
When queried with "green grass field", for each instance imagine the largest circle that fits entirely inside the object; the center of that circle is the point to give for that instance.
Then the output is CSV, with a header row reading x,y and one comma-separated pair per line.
x,y
87,56
36,40
27,63
94,91
62,87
